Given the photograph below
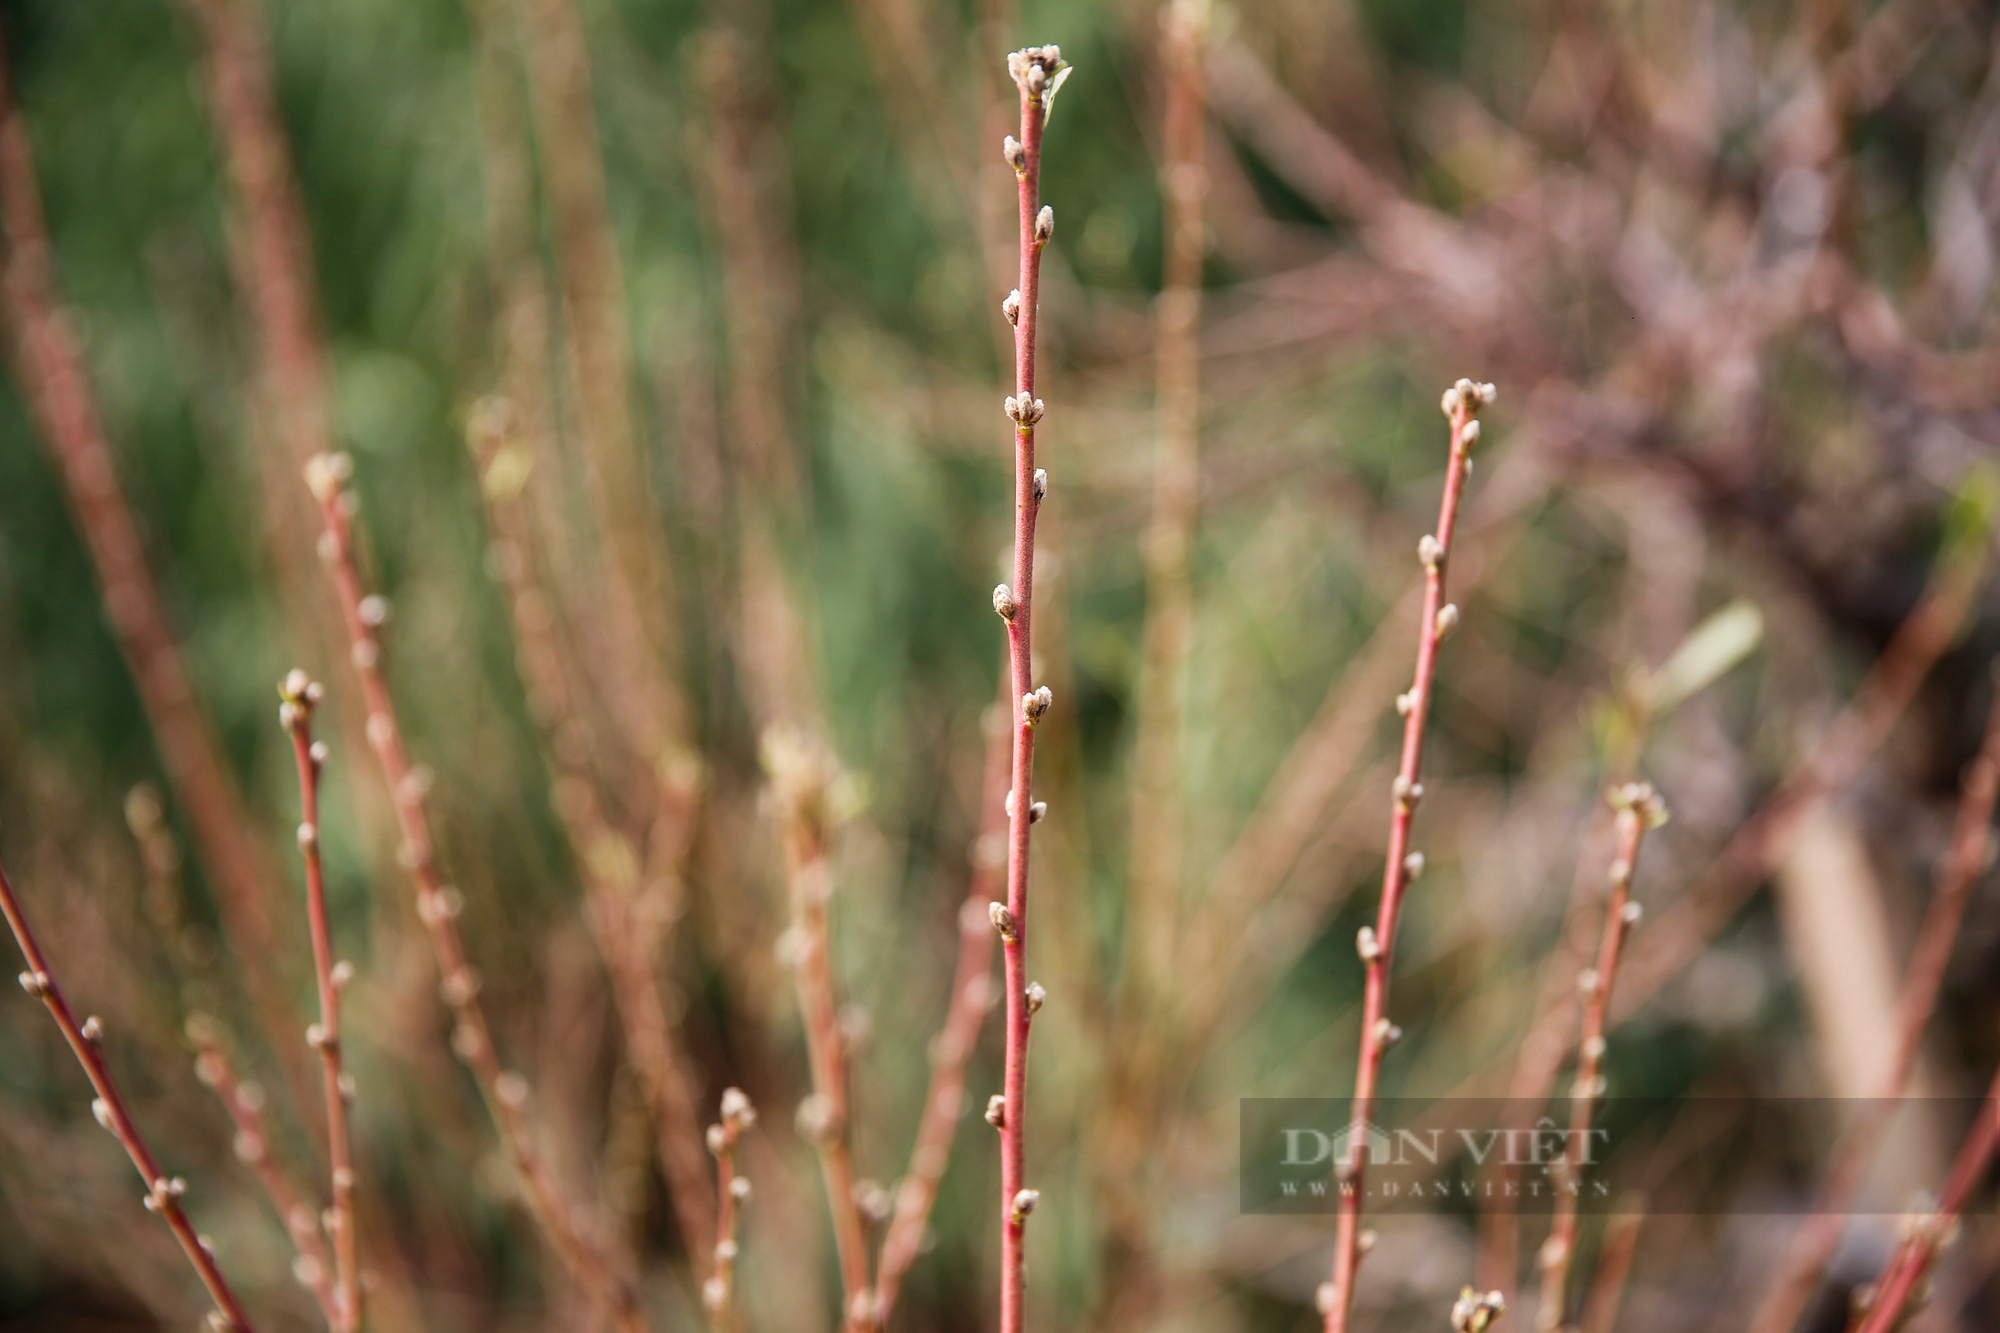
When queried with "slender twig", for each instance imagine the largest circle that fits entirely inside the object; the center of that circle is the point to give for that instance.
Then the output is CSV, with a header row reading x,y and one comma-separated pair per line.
x,y
1377,945
312,1265
49,360
1903,1276
1744,864
1639,810
732,1189
1153,893
1969,858
86,1039
1497,1255
971,1000
1038,72
1614,1268
301,695
806,786
637,597
438,905
610,863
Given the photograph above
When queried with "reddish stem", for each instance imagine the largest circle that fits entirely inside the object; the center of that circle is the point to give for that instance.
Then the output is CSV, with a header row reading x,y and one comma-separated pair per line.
x,y
1034,69
301,695
1907,1267
825,1116
971,999
1638,810
162,1194
1971,848
505,1091
49,361
608,858
731,1189
1378,947
245,1104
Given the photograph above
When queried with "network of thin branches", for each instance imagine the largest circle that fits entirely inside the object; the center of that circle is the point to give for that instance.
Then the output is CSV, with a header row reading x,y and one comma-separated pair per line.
x,y
591,417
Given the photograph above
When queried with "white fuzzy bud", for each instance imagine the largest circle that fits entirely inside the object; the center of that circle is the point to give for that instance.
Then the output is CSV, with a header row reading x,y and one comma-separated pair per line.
x,y
1035,704
737,1112
1003,921
511,1090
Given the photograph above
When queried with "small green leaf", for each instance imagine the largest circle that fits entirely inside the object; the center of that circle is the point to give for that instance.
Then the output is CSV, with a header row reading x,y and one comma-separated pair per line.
x,y
1709,652
1049,97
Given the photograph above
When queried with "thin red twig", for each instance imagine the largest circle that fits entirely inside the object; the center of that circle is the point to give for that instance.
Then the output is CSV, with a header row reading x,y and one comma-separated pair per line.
x,y
311,1265
1904,1274
611,864
49,360
1639,809
301,694
86,1039
1614,1269
1153,888
971,1000
1745,862
1037,71
1969,858
506,1092
732,1189
1377,945
806,787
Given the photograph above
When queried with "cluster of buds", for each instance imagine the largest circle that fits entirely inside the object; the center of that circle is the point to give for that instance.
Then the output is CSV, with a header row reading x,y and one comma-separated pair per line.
x,y
1025,410
1467,397
299,694
1472,1312
1638,800
165,1193
328,475
1039,70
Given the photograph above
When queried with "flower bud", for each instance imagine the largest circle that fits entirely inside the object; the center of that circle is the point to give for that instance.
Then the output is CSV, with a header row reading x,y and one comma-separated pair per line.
x,y
1003,921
